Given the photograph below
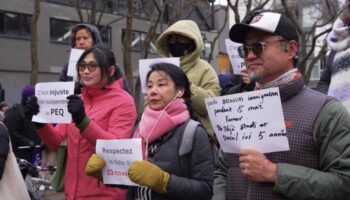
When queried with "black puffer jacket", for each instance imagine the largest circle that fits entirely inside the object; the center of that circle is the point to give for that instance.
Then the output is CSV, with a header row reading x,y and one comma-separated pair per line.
x,y
22,131
195,186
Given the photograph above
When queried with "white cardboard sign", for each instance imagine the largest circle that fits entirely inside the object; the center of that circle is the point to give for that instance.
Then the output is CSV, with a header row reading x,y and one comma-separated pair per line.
x,y
118,154
72,63
236,61
52,99
249,120
144,67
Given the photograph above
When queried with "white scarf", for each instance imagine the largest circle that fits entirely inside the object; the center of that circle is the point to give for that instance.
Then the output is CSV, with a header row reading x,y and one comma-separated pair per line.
x,y
339,38
284,78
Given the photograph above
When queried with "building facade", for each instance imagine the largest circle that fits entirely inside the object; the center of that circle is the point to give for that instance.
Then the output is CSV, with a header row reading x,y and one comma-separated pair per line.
x,y
55,20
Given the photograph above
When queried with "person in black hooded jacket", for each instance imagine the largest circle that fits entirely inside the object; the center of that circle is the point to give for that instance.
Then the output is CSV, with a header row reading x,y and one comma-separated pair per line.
x,y
21,130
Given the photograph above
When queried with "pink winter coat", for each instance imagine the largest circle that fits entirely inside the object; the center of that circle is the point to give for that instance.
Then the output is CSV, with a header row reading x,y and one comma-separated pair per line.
x,y
112,115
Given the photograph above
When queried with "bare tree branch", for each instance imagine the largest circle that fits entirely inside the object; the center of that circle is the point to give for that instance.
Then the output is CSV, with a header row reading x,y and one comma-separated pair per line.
x,y
222,28
77,8
34,43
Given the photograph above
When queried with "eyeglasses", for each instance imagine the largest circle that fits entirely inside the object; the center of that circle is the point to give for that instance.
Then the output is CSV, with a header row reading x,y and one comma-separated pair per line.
x,y
91,66
257,48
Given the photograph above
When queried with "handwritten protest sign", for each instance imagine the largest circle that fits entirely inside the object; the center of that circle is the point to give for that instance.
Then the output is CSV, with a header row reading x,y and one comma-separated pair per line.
x,y
144,67
249,120
118,154
72,63
236,61
52,99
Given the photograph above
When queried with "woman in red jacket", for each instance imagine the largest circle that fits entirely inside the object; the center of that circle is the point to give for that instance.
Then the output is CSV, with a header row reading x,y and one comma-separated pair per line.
x,y
104,111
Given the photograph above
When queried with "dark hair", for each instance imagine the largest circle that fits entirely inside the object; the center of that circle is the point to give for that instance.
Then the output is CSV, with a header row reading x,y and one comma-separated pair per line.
x,y
180,79
3,104
105,59
78,27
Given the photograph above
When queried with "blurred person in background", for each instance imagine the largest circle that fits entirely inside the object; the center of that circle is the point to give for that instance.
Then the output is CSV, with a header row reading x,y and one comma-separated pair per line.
x,y
335,79
21,130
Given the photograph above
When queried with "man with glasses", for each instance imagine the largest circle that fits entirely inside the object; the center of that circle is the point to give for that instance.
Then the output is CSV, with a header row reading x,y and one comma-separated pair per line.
x,y
317,166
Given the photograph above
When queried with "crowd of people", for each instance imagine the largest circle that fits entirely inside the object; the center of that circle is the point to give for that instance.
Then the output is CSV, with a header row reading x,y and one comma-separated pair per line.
x,y
317,166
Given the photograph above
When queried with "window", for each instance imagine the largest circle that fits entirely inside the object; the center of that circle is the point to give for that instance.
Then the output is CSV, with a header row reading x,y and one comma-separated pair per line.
x,y
138,37
15,25
122,8
207,49
60,31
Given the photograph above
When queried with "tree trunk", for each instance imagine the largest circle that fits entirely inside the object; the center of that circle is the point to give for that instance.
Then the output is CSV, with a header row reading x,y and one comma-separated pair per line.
x,y
34,43
127,45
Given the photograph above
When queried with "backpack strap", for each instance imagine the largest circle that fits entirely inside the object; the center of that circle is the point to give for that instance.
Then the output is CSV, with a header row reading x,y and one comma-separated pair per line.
x,y
187,137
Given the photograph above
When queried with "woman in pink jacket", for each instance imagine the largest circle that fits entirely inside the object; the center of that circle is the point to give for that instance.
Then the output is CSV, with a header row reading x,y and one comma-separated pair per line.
x,y
104,111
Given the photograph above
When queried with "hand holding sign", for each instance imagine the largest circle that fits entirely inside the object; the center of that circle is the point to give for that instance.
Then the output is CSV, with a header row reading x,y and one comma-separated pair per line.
x,y
94,166
249,120
150,175
236,61
118,154
256,166
32,107
76,108
52,99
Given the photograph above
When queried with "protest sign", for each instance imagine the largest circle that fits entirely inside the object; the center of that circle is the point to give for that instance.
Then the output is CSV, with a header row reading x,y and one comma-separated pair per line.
x,y
52,99
144,67
118,154
236,61
249,120
72,63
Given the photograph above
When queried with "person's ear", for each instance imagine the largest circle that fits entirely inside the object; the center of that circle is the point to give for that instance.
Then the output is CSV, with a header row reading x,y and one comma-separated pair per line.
x,y
180,92
111,70
292,49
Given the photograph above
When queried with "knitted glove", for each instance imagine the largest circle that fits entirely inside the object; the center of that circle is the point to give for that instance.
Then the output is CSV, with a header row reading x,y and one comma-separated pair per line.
x,y
94,166
32,107
76,108
147,174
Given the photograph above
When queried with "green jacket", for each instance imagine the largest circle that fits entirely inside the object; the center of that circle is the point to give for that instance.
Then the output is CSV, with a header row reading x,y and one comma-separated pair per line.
x,y
203,78
332,181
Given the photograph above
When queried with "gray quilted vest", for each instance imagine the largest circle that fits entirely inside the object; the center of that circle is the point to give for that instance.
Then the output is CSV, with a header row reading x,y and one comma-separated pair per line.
x,y
301,107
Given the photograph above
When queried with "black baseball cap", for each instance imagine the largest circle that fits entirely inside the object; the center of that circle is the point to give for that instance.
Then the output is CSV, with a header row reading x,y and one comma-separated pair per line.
x,y
268,21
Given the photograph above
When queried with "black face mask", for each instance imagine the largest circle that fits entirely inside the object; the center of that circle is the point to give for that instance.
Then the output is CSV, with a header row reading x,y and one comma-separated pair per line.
x,y
178,49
